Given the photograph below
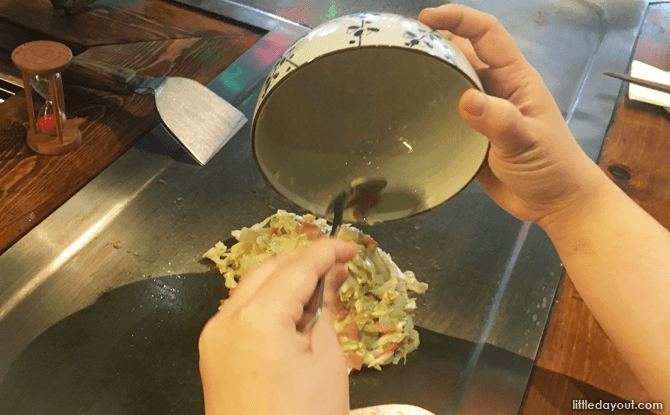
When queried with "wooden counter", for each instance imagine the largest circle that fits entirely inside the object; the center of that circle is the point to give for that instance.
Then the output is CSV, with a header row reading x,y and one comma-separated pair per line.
x,y
152,37
576,360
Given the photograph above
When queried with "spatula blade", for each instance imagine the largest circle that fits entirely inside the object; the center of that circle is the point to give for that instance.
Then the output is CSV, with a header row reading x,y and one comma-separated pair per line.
x,y
201,121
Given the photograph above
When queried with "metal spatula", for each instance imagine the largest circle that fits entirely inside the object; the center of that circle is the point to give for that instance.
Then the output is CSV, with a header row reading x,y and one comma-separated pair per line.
x,y
201,121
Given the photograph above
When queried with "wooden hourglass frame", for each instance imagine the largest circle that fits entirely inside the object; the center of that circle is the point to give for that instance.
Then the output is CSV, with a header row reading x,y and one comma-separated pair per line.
x,y
47,59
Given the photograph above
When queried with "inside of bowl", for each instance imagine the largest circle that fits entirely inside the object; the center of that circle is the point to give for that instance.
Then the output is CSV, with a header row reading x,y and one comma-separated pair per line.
x,y
369,112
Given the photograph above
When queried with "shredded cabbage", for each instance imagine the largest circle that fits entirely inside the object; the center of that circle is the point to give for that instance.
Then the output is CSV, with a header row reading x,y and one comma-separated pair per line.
x,y
374,316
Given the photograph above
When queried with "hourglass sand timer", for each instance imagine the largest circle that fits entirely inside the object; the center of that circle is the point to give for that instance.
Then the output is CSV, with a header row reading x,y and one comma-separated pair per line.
x,y
41,63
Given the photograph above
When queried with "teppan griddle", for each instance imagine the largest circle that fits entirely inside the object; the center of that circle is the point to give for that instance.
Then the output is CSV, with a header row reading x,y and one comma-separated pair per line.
x,y
135,351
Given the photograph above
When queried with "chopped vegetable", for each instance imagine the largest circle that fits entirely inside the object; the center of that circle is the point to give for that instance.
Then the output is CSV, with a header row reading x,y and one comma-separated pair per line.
x,y
373,317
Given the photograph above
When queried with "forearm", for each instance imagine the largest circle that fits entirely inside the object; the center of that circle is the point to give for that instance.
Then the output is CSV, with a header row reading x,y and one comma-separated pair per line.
x,y
619,259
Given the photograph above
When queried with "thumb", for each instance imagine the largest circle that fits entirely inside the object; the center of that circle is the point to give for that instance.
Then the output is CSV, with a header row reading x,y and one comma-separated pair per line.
x,y
498,119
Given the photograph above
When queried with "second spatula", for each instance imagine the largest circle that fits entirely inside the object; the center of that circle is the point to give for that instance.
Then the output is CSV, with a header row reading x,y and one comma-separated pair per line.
x,y
201,121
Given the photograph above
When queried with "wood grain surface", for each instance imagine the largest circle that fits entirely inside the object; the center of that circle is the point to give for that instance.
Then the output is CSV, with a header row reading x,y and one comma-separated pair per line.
x,y
577,360
32,186
110,22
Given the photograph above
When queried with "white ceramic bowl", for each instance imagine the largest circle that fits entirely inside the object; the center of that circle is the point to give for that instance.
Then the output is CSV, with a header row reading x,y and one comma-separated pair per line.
x,y
368,95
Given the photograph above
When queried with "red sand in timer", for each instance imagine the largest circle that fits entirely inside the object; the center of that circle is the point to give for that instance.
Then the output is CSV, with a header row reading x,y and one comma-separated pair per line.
x,y
44,61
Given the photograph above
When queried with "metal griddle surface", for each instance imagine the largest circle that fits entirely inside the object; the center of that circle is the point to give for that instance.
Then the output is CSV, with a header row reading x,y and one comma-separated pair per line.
x,y
134,351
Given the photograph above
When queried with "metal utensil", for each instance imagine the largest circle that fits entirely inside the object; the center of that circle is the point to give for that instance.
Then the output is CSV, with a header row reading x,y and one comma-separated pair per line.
x,y
201,121
642,82
359,196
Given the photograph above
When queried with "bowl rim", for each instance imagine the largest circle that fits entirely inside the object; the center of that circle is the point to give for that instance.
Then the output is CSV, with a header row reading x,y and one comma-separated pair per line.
x,y
264,100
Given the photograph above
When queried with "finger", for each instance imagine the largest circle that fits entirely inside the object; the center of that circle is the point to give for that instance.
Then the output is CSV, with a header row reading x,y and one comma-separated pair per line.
x,y
497,119
466,48
291,288
505,70
491,42
336,277
333,280
252,281
484,72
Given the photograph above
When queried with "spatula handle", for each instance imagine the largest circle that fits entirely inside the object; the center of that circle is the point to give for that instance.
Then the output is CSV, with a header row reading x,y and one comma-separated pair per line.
x,y
97,75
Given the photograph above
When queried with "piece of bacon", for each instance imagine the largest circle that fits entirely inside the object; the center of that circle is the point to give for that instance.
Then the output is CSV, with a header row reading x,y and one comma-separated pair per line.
x,y
369,242
340,311
344,313
304,227
385,329
350,331
339,305
354,360
311,230
388,350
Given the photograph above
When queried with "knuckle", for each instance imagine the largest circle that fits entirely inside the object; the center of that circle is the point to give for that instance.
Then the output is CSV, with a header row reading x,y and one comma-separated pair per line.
x,y
208,333
223,327
491,20
508,118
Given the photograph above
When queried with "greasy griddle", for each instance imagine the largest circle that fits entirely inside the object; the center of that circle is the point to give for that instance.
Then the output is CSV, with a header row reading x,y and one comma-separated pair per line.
x,y
134,351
